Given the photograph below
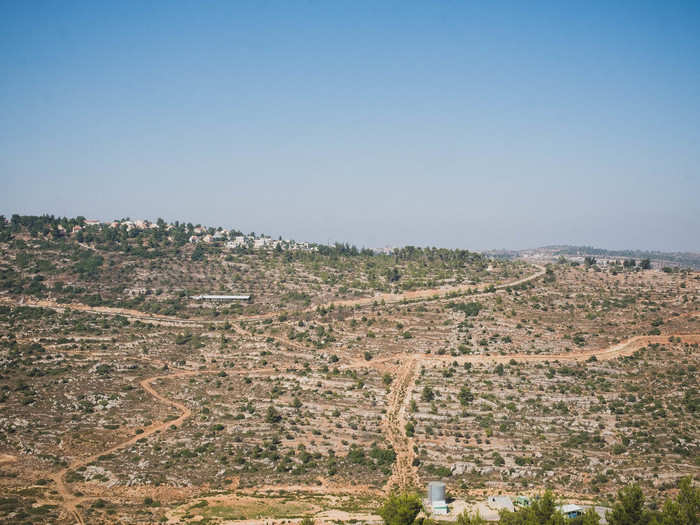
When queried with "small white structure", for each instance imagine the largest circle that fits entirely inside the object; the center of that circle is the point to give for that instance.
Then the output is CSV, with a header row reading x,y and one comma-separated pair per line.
x,y
436,497
262,242
440,507
571,510
237,242
221,298
501,502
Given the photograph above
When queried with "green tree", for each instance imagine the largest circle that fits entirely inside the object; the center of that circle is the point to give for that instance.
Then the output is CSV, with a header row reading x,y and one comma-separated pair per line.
x,y
465,396
198,253
541,512
629,508
465,519
549,276
546,509
590,517
393,275
671,515
410,429
689,501
400,509
685,509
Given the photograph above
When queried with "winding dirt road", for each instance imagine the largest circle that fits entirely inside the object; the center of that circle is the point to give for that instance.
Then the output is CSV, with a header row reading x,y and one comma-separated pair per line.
x,y
385,298
404,474
622,349
431,293
70,501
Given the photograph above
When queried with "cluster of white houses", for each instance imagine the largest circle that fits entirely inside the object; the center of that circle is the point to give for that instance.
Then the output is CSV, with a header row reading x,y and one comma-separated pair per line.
x,y
266,243
230,239
253,242
130,225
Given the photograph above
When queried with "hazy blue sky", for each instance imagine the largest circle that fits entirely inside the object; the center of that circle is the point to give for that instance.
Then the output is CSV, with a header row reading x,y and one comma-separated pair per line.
x,y
431,123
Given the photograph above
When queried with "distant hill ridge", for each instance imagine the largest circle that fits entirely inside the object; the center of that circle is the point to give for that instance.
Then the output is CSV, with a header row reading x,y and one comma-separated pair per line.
x,y
686,259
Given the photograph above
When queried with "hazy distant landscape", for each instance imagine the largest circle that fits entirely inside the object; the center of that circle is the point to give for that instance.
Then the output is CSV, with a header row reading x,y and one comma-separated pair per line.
x,y
579,253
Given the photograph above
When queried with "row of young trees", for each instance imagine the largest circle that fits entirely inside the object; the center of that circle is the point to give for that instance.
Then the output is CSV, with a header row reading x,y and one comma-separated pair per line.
x,y
589,260
629,509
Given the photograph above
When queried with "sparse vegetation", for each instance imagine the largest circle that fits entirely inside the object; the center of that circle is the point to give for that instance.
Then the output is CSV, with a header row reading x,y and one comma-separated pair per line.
x,y
512,387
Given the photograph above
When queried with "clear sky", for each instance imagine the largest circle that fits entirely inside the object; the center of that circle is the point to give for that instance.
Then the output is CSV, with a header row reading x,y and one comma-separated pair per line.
x,y
455,124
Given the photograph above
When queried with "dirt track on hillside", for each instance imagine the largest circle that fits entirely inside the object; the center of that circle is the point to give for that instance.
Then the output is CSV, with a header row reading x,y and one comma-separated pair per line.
x,y
404,474
71,501
131,314
622,349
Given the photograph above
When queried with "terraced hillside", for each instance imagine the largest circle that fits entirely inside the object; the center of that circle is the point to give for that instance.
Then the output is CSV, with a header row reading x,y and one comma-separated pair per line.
x,y
496,377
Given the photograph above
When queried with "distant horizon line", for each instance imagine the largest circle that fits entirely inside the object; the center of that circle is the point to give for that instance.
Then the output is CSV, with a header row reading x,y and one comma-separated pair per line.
x,y
380,248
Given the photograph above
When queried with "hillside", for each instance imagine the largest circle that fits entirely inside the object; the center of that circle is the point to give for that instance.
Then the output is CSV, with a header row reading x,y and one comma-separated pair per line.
x,y
348,374
156,268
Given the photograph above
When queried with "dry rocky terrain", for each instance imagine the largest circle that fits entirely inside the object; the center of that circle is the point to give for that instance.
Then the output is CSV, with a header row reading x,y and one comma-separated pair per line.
x,y
341,380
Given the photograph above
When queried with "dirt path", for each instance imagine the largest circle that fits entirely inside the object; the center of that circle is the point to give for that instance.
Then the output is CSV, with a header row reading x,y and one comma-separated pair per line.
x,y
352,362
404,474
105,310
326,487
430,293
385,298
7,458
624,348
71,501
